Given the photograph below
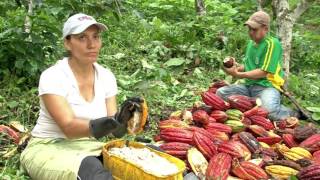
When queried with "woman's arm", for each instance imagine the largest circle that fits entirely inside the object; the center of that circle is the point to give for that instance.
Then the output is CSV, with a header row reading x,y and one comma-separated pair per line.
x,y
63,115
111,104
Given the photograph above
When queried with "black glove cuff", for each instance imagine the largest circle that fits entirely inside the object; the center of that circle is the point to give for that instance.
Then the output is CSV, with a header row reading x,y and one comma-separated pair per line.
x,y
103,126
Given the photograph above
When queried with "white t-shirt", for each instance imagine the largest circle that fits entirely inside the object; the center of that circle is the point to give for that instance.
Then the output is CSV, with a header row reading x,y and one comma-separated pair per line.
x,y
59,80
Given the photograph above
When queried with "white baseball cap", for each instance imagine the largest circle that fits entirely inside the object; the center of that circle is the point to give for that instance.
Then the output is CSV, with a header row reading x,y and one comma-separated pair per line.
x,y
78,23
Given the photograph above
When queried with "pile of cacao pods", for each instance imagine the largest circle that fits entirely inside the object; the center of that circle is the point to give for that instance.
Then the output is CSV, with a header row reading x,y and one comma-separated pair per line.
x,y
234,139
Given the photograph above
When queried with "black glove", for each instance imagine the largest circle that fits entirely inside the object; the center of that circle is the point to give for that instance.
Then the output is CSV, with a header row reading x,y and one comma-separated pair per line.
x,y
103,126
125,113
117,125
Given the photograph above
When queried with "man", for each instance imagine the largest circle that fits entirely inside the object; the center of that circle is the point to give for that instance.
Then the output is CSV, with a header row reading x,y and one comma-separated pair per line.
x,y
262,69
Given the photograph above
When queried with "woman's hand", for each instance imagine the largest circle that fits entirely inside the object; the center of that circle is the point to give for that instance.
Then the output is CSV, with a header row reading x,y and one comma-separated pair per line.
x,y
126,112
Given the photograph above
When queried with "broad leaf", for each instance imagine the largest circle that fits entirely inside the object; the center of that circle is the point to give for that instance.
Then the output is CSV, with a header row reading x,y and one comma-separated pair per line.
x,y
316,116
175,62
314,109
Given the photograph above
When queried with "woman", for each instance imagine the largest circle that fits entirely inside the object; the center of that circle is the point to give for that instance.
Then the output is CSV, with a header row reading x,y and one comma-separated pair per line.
x,y
77,103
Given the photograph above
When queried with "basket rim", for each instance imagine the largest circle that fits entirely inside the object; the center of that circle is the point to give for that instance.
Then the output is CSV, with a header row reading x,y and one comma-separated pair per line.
x,y
106,153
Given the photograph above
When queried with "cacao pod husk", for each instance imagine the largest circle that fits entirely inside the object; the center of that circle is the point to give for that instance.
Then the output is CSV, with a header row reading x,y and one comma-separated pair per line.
x,y
219,167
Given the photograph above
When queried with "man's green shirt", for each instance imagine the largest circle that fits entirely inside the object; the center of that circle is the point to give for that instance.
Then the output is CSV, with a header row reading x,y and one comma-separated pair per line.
x,y
267,56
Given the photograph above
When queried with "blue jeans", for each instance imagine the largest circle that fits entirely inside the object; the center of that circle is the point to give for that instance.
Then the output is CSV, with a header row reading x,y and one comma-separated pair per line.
x,y
269,96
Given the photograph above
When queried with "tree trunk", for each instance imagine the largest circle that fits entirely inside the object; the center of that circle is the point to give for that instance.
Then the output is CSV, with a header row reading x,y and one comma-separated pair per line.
x,y
259,5
27,22
200,7
284,22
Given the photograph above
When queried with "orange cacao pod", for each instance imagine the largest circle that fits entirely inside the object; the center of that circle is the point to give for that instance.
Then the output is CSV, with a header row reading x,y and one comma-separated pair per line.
x,y
171,123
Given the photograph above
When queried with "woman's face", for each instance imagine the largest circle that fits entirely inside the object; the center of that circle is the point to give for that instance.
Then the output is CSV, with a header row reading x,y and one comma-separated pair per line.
x,y
85,47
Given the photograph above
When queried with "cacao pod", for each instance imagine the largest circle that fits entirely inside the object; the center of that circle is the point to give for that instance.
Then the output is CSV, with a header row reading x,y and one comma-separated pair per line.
x,y
240,102
262,121
234,114
288,139
197,162
236,149
256,111
200,116
248,170
316,156
280,172
219,116
176,135
311,172
172,124
303,132
15,136
205,145
203,132
213,100
219,167
218,134
176,149
258,130
219,127
270,139
250,141
296,153
312,143
288,163
219,83
236,126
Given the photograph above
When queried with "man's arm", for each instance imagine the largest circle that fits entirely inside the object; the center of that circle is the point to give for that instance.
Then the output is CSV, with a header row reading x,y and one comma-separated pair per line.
x,y
238,72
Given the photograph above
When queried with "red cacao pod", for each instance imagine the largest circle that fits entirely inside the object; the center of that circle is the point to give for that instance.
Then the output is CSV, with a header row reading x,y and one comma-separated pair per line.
x,y
240,102
176,149
205,145
200,116
262,121
177,135
219,116
219,167
213,100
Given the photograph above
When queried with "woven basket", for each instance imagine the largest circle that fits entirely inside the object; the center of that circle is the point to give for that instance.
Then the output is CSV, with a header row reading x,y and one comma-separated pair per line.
x,y
125,170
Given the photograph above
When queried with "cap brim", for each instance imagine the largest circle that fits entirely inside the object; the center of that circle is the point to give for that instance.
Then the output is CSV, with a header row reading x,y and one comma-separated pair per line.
x,y
83,27
252,24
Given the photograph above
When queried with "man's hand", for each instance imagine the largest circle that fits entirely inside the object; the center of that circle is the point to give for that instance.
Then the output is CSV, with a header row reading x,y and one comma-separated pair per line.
x,y
233,71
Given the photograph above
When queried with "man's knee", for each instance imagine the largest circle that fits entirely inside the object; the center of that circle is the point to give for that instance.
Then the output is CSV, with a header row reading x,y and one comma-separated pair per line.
x,y
221,92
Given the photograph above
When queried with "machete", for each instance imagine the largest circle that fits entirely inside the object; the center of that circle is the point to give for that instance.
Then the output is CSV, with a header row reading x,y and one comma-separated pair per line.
x,y
305,114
